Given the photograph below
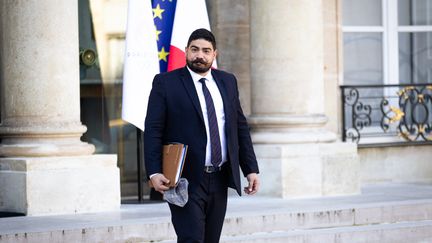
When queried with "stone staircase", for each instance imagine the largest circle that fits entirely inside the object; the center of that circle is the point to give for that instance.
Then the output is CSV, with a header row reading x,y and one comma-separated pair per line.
x,y
394,222
397,232
385,213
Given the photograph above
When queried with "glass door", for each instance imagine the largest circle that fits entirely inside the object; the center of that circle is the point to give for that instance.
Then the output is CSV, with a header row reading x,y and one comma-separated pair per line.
x,y
102,26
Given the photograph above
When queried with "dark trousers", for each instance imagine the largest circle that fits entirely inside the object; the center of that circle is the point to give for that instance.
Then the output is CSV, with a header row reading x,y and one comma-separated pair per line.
x,y
201,219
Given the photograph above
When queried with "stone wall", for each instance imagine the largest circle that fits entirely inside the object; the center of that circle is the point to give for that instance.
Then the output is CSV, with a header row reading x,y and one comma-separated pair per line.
x,y
411,164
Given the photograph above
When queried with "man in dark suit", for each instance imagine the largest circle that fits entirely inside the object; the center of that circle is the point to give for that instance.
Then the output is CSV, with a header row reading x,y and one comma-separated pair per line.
x,y
200,107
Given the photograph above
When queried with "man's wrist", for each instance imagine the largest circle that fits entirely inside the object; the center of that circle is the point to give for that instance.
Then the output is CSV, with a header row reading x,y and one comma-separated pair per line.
x,y
153,175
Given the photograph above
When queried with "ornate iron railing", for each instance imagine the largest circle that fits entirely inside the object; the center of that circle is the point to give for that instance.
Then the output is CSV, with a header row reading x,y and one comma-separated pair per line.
x,y
382,115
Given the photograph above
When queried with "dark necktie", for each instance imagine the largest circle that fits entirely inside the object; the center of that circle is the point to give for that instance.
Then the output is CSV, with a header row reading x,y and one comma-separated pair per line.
x,y
215,145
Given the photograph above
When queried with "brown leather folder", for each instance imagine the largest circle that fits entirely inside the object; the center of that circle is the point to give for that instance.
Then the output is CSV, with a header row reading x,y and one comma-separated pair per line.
x,y
173,159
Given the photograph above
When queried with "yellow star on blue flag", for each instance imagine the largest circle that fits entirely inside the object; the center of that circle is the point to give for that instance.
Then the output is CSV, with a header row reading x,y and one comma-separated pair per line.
x,y
157,12
163,55
163,18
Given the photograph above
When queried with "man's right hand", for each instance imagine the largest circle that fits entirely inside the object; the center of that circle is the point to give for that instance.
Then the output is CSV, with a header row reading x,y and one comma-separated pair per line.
x,y
159,181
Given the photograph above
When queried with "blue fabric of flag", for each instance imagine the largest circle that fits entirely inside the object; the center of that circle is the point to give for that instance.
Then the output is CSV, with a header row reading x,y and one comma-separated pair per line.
x,y
163,17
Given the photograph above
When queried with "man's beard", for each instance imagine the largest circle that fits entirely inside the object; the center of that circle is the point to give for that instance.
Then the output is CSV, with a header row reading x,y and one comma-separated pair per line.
x,y
198,65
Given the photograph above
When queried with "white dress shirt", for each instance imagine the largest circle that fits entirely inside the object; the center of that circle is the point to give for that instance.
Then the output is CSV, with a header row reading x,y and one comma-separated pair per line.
x,y
220,113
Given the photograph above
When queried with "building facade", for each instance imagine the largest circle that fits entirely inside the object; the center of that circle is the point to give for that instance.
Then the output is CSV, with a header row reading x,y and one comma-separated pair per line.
x,y
323,84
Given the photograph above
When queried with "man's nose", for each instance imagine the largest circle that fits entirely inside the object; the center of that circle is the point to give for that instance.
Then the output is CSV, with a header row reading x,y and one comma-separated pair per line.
x,y
200,54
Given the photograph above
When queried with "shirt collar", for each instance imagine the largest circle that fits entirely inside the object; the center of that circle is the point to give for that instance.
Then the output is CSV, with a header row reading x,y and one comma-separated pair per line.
x,y
196,77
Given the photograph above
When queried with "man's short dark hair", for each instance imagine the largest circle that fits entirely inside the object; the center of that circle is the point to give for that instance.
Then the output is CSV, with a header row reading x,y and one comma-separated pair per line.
x,y
202,34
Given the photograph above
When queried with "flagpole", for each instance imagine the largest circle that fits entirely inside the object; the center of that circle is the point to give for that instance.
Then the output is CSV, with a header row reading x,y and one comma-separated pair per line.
x,y
140,164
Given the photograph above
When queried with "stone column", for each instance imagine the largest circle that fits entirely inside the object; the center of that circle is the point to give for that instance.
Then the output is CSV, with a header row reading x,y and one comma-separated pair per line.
x,y
45,168
297,155
230,24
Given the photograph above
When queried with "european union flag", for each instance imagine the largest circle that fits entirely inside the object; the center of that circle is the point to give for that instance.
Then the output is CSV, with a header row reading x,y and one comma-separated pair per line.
x,y
163,17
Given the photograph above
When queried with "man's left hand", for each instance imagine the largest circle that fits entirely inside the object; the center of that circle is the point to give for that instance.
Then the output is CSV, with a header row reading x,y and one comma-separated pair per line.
x,y
253,186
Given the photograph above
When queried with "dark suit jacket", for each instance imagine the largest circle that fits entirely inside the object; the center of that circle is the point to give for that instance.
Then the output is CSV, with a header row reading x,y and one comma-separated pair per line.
x,y
174,115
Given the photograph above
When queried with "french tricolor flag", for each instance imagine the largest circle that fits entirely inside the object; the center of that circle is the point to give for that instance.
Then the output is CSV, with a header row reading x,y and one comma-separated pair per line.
x,y
189,16
148,39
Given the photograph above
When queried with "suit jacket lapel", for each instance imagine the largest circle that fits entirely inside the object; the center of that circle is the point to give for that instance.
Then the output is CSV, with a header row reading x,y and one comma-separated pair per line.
x,y
191,90
222,89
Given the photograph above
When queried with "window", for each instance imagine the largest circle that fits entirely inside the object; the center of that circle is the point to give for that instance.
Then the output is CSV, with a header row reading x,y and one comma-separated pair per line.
x,y
387,41
363,36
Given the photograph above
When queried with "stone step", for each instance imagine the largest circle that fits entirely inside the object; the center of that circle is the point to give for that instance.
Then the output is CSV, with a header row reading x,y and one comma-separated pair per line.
x,y
279,219
403,232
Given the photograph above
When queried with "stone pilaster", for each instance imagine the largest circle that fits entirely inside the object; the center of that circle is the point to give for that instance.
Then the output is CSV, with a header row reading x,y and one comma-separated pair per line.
x,y
230,23
40,115
298,156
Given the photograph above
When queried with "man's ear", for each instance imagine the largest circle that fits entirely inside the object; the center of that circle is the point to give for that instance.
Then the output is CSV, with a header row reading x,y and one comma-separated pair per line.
x,y
215,53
